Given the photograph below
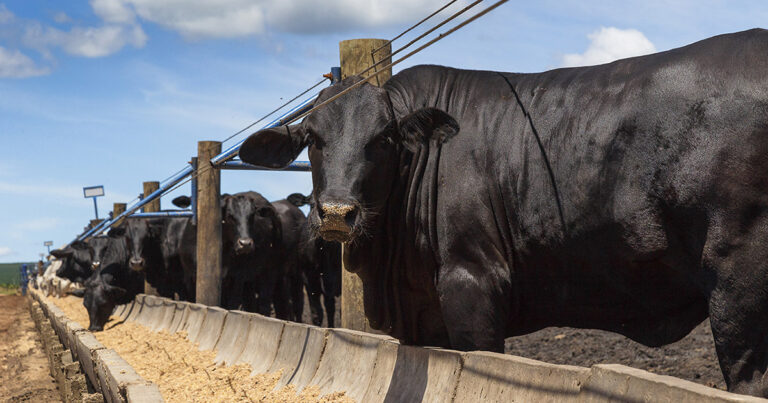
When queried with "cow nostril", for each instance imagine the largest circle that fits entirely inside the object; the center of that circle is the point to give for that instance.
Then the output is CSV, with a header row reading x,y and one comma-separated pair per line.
x,y
350,217
338,216
321,212
245,241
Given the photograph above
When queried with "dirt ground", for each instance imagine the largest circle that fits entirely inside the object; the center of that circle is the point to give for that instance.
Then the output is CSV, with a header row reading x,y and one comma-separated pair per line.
x,y
24,375
693,358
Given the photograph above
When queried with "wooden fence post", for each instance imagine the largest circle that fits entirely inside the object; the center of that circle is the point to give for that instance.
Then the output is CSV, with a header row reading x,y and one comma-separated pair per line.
x,y
357,55
208,287
154,205
117,209
151,207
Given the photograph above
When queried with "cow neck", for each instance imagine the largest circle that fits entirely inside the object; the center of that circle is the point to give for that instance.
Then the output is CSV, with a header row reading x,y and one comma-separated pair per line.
x,y
398,264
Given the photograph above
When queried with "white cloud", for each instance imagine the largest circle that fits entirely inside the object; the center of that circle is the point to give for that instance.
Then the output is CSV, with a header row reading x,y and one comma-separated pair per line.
x,y
308,16
195,19
113,11
87,42
5,251
14,64
62,18
609,44
5,15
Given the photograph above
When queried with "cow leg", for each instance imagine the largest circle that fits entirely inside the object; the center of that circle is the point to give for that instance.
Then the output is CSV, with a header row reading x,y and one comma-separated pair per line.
x,y
329,299
474,304
282,300
297,296
735,260
314,290
739,313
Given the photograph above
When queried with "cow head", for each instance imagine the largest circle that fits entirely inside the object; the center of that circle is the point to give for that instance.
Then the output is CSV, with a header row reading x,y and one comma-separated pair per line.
x,y
355,143
76,261
98,246
143,240
249,222
100,299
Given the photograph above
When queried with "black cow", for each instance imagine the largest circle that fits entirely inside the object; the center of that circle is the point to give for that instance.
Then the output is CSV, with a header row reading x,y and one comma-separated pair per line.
x,y
113,283
251,239
154,246
292,222
320,263
251,244
630,197
80,258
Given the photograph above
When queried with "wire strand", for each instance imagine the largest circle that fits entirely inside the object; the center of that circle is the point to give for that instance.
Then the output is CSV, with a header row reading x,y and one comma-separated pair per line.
x,y
417,50
205,168
433,29
413,26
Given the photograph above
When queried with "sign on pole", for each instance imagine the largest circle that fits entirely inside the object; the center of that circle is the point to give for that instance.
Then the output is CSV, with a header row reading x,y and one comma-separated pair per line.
x,y
94,192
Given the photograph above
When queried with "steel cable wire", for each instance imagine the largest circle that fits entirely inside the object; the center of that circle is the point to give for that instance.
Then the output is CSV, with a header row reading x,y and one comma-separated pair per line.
x,y
205,168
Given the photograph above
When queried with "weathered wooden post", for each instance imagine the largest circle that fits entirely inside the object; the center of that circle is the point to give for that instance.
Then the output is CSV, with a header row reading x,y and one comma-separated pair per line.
x,y
151,207
117,209
357,55
149,188
208,287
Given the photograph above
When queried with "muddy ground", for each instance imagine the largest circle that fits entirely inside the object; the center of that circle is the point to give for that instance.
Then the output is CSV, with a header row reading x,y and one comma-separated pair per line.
x,y
24,375
693,358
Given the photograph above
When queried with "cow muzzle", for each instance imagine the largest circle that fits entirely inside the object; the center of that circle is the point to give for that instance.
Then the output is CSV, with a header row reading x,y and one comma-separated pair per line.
x,y
137,264
95,265
337,220
244,245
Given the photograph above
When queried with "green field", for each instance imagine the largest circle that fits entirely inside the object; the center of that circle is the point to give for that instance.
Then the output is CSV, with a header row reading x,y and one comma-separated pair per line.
x,y
9,273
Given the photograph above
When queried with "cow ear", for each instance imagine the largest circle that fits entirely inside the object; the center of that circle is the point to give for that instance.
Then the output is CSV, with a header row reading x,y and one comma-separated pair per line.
x,y
80,245
273,148
116,232
424,125
182,202
298,199
62,253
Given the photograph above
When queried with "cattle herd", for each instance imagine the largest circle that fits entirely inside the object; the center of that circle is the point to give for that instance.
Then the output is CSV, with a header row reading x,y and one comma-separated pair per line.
x,y
479,205
270,258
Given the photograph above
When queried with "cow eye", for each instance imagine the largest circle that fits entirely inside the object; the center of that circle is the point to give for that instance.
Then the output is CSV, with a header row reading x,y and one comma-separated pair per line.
x,y
377,144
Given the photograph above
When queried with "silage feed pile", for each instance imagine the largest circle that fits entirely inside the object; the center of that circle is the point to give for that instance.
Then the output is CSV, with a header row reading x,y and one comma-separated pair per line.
x,y
181,371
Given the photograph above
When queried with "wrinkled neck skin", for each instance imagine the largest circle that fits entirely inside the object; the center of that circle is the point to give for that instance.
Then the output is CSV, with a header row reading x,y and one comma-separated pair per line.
x,y
398,264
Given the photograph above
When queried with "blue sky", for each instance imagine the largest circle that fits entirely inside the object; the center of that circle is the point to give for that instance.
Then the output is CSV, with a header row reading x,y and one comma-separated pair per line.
x,y
116,92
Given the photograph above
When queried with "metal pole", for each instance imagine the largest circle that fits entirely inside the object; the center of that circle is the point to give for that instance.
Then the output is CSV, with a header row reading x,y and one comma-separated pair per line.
x,y
193,192
95,208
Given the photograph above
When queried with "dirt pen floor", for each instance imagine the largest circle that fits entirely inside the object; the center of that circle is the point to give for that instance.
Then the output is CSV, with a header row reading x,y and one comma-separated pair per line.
x,y
181,371
692,358
24,373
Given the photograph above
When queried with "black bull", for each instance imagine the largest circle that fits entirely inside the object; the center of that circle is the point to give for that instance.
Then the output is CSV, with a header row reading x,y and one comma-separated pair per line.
x,y
630,197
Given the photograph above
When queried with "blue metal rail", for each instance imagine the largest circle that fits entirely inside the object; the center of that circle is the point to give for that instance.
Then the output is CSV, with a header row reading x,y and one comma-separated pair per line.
x,y
219,161
296,166
139,204
162,214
